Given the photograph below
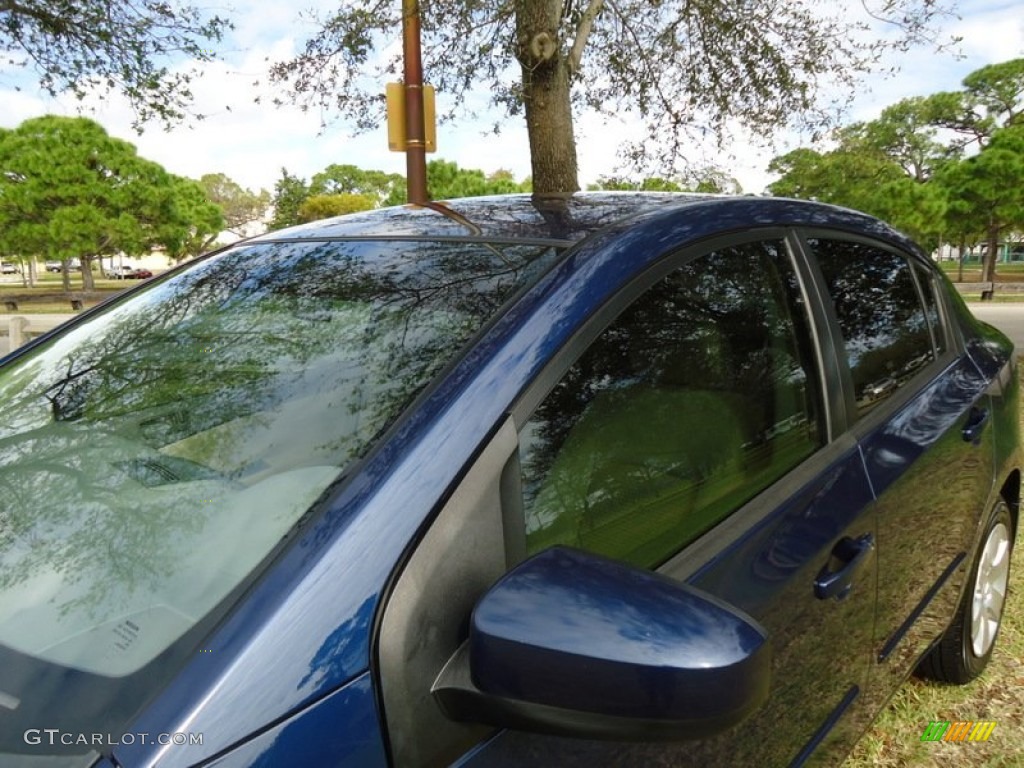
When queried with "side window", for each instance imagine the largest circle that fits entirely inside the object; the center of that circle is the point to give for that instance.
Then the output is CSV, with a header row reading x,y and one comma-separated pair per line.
x,y
926,280
880,316
698,396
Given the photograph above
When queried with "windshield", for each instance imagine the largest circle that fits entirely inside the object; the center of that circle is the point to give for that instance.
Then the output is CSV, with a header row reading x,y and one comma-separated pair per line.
x,y
153,456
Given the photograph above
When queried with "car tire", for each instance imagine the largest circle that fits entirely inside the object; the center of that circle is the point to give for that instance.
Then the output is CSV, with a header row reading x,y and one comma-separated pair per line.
x,y
966,647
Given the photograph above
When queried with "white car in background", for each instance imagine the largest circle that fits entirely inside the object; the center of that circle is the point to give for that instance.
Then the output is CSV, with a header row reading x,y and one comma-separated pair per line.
x,y
55,265
121,272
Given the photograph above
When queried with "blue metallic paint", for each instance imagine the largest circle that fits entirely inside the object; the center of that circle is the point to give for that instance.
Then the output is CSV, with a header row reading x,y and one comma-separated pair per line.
x,y
306,626
573,630
920,468
341,729
766,568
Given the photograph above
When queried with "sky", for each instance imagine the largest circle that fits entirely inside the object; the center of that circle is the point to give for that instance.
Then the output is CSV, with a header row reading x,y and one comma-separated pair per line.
x,y
252,142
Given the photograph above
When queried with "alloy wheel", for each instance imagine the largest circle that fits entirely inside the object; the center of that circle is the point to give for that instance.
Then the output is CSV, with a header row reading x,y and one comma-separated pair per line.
x,y
990,589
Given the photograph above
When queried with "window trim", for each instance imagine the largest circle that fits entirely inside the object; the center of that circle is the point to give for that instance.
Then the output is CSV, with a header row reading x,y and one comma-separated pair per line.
x,y
951,327
934,328
836,384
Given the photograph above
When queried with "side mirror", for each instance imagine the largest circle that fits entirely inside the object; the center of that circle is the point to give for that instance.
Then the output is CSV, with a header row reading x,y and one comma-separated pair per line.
x,y
573,644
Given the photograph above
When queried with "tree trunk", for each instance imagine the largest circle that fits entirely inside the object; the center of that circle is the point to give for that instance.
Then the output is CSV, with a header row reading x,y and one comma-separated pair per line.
x,y
546,97
65,275
960,258
988,270
87,281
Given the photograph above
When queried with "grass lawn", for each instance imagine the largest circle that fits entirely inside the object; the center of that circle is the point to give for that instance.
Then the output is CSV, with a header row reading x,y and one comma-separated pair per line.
x,y
1010,272
895,738
48,294
894,741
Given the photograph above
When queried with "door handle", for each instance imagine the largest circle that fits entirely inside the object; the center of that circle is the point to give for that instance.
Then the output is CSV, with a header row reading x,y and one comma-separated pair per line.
x,y
849,556
976,421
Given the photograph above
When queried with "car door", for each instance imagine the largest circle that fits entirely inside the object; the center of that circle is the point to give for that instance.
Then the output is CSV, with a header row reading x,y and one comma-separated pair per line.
x,y
921,413
685,430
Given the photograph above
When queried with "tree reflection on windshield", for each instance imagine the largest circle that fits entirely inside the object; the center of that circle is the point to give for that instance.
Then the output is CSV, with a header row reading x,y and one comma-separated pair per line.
x,y
150,458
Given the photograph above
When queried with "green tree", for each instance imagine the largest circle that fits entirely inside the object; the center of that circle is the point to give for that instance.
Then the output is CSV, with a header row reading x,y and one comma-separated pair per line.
x,y
704,180
240,206
289,193
907,134
99,45
447,181
844,176
998,91
907,165
992,97
864,178
915,208
195,223
622,184
986,191
684,67
68,189
955,112
349,179
711,180
325,206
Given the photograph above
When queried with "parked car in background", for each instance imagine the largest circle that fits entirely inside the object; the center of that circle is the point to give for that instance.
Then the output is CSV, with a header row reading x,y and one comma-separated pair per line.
x,y
119,272
141,274
9,268
606,480
55,265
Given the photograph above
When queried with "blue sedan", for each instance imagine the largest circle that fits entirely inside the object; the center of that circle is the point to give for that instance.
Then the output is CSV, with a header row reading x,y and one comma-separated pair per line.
x,y
607,479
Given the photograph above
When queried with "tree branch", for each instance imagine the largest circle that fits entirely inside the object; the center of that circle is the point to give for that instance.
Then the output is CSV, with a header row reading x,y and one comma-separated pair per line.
x,y
583,31
650,70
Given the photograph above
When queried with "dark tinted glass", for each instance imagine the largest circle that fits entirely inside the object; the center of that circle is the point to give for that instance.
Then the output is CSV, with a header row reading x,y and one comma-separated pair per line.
x,y
151,457
697,397
880,315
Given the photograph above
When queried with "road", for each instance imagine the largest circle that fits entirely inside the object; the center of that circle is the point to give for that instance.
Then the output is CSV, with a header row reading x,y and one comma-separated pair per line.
x,y
1008,318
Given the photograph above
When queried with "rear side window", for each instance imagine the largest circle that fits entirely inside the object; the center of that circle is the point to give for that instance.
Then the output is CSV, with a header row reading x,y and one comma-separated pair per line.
x,y
880,314
696,398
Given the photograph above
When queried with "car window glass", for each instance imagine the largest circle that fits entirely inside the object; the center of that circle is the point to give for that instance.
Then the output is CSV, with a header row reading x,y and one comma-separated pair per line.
x,y
155,453
880,316
697,397
926,280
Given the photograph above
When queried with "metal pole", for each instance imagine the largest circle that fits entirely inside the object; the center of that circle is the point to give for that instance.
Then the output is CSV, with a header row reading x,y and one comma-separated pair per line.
x,y
415,134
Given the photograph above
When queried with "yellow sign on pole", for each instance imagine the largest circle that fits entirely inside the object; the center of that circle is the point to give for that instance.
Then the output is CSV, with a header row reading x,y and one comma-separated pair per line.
x,y
396,118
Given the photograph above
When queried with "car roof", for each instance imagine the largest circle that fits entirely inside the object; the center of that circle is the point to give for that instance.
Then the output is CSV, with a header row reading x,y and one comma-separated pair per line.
x,y
565,218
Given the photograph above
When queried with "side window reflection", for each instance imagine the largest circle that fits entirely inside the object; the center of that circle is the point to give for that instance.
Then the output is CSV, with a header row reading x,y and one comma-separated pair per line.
x,y
697,397
880,316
